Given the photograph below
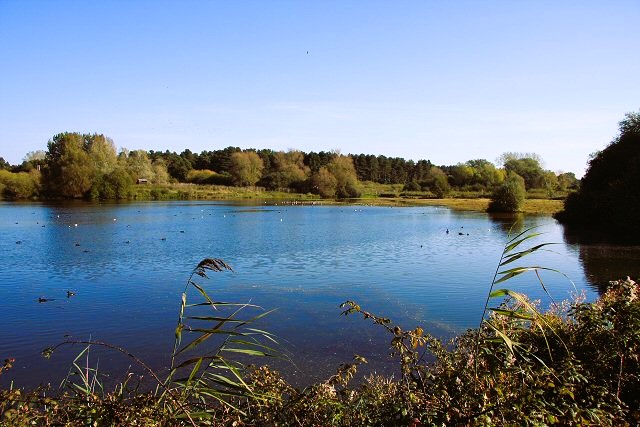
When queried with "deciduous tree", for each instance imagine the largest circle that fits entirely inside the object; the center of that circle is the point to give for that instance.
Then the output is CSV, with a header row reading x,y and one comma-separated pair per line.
x,y
246,168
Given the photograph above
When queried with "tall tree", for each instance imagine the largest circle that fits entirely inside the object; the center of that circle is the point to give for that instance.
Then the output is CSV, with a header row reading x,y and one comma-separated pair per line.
x,y
288,170
139,166
527,165
341,167
69,168
102,152
246,168
608,201
324,183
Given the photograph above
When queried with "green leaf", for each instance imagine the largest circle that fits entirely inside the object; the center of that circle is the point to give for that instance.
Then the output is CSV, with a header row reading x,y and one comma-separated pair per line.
x,y
195,370
515,243
516,256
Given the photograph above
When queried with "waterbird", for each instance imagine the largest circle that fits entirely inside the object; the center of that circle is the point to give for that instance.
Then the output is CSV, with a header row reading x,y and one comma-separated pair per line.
x,y
42,299
70,294
164,238
447,231
19,242
77,244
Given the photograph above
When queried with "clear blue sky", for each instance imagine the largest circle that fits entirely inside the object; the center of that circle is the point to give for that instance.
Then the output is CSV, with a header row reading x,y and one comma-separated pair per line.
x,y
438,80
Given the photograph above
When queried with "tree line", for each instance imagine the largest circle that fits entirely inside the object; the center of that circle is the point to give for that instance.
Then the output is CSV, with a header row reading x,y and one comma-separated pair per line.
x,y
607,205
79,165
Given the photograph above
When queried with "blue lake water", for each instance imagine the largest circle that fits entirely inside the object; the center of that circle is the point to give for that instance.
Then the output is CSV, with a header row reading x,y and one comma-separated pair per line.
x,y
128,263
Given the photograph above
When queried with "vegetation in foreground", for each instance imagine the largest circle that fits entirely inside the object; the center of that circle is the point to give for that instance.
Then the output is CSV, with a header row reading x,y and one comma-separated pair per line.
x,y
574,364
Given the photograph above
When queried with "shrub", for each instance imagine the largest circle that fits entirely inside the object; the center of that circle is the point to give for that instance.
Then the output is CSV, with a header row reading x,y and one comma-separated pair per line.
x,y
508,197
411,186
21,185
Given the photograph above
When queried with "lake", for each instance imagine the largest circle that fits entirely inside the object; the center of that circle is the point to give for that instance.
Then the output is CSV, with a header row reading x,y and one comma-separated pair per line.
x,y
128,264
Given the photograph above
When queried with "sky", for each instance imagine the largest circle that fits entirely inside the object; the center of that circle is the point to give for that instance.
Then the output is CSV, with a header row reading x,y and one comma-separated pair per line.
x,y
446,81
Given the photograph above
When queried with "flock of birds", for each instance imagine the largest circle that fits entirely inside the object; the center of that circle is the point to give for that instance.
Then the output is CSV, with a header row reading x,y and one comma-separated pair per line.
x,y
77,244
71,293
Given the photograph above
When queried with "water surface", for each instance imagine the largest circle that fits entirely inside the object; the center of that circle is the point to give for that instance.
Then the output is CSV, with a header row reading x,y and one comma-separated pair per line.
x,y
128,263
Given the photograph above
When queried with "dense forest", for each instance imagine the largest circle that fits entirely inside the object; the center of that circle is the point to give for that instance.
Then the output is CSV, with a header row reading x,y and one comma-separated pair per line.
x,y
88,166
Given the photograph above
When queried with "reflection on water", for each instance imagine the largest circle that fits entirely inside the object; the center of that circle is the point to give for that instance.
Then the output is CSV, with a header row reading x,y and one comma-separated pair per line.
x,y
603,263
127,264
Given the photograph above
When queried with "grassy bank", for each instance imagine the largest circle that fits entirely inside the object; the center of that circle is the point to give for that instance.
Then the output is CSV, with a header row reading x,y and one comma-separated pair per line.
x,y
373,194
182,191
531,206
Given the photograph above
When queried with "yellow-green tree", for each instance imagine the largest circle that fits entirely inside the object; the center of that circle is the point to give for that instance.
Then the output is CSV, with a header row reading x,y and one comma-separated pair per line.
x,y
20,185
289,170
347,185
139,165
324,183
246,168
102,152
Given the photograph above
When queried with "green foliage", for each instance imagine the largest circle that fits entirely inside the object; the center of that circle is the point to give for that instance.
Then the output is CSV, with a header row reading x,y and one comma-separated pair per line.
x,y
341,167
69,170
20,185
337,179
608,201
437,182
246,168
76,164
568,181
4,165
288,171
411,186
324,183
528,168
509,197
205,176
113,185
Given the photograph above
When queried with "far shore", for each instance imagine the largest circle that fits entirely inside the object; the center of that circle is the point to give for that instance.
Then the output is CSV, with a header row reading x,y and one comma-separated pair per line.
x,y
531,206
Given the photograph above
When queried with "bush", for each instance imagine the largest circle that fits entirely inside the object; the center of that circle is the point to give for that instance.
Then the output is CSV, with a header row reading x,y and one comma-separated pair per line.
x,y
115,185
21,185
508,197
411,186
